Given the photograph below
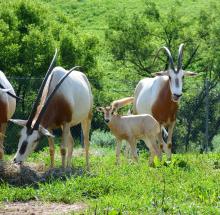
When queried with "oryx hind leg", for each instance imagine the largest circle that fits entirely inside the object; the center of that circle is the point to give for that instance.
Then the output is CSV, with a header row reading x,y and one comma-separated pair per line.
x,y
2,136
86,124
64,143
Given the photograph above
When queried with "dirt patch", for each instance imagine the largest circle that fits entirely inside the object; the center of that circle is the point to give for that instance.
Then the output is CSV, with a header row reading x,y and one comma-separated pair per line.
x,y
40,208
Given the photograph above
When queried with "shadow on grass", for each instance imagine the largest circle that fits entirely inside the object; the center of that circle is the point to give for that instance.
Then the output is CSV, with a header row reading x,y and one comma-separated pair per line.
x,y
32,175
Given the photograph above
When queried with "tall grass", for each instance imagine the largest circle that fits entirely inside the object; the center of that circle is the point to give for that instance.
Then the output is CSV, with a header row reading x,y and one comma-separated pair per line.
x,y
187,185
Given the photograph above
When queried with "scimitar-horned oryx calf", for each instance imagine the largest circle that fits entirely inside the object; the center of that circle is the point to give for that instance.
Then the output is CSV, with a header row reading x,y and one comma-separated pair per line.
x,y
70,105
132,128
159,96
7,107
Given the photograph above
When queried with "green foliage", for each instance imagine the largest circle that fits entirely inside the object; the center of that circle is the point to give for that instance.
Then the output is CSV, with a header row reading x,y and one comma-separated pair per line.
x,y
102,139
134,39
115,44
29,33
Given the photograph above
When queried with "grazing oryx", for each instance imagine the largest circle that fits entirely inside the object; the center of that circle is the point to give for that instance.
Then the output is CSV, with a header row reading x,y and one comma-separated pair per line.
x,y
159,96
132,128
70,105
7,107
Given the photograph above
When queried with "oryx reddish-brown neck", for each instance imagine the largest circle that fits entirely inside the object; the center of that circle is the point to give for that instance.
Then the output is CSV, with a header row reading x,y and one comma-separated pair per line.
x,y
57,112
164,109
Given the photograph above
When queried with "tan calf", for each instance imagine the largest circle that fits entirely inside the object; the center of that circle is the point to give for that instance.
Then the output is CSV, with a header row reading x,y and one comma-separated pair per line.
x,y
132,128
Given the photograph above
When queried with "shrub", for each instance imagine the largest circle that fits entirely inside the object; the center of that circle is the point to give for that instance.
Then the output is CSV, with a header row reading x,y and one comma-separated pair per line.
x,y
103,139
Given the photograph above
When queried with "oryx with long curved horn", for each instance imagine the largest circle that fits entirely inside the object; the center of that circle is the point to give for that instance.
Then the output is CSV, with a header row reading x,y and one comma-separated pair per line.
x,y
159,96
66,101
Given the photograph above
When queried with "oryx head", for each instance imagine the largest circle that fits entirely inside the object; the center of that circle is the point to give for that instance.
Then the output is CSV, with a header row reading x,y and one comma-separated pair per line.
x,y
32,132
175,74
108,111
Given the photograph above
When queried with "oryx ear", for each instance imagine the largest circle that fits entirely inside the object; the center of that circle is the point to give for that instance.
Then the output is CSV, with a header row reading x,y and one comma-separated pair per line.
x,y
20,122
188,73
4,90
100,109
114,108
160,73
45,132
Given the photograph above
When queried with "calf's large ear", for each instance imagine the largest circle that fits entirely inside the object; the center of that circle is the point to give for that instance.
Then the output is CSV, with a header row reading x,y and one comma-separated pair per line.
x,y
100,109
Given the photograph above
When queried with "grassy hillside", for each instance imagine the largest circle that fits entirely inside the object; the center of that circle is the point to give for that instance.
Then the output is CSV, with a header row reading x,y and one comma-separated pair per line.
x,y
93,15
188,185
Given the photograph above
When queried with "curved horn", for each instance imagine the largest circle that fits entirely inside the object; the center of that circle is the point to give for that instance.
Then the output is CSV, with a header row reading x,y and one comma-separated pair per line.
x,y
170,58
34,107
37,123
169,55
180,57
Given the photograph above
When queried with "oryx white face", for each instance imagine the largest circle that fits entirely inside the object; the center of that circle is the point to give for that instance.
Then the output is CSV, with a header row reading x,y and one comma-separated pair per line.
x,y
176,81
27,144
176,84
28,140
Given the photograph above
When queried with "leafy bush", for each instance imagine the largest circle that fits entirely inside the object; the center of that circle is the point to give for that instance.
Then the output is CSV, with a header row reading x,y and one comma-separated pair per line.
x,y
103,139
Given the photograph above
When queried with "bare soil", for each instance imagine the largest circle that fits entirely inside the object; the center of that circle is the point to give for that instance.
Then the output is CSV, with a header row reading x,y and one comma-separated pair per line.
x,y
39,208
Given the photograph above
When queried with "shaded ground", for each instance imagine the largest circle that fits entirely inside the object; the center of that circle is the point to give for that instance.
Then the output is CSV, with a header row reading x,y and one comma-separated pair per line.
x,y
31,174
37,207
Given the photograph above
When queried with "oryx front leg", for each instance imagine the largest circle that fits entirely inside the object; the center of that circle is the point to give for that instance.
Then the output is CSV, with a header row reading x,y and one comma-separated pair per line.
x,y
86,124
2,136
168,146
70,149
52,151
64,143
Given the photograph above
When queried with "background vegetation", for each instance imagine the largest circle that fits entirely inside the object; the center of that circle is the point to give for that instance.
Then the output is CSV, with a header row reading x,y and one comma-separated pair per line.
x,y
114,41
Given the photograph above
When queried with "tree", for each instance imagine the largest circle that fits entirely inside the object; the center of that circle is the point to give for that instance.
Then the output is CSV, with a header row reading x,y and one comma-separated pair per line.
x,y
134,40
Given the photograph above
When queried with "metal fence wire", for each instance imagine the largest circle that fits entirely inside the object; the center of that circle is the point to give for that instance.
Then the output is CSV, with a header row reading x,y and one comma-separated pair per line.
x,y
27,88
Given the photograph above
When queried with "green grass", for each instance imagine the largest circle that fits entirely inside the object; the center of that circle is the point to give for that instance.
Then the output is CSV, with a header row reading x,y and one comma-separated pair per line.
x,y
188,185
94,14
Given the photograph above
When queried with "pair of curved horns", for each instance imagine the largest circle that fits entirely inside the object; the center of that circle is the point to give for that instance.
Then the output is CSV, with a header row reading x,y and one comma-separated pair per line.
x,y
34,107
171,62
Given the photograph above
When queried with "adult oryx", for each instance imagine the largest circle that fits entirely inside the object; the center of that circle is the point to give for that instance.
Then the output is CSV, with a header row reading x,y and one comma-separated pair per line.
x,y
7,107
159,96
61,105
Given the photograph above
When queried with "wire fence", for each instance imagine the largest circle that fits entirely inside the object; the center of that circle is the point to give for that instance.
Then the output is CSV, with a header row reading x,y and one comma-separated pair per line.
x,y
27,87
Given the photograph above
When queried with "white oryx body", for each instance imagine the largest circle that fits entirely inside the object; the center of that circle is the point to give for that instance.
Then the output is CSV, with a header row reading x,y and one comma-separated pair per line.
x,y
7,108
69,106
74,96
159,96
